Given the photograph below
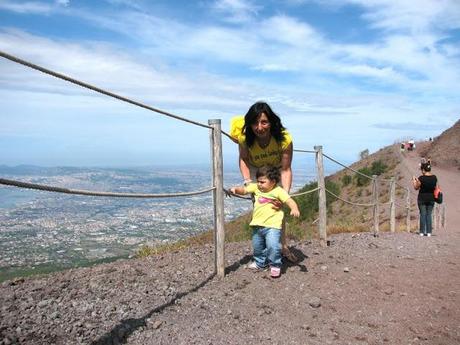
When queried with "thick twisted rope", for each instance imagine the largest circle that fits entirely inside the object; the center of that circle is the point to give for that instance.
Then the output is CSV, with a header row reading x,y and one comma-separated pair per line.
x,y
96,89
306,151
306,192
347,167
91,193
348,202
230,194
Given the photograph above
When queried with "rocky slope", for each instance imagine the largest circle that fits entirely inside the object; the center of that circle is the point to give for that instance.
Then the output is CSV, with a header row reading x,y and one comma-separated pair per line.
x,y
392,289
445,149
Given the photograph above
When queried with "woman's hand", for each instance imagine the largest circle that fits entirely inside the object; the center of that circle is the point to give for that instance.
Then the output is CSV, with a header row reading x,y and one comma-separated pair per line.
x,y
276,204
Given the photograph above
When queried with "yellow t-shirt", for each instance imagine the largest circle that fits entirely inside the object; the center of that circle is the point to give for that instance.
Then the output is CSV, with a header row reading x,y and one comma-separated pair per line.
x,y
269,155
263,213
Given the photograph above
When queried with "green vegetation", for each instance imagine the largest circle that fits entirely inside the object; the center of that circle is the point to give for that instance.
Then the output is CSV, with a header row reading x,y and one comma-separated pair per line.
x,y
377,168
346,180
308,203
361,180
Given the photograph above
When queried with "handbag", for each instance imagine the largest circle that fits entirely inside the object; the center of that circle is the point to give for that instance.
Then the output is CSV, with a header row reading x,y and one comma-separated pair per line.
x,y
438,195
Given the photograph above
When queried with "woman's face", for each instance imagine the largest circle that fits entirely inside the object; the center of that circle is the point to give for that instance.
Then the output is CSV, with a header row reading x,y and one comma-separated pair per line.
x,y
261,127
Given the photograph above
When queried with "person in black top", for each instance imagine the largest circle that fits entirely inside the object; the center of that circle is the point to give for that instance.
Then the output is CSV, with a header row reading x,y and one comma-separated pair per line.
x,y
425,184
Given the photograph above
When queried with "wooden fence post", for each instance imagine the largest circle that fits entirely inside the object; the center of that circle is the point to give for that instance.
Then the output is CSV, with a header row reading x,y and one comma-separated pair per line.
x,y
322,223
392,205
443,216
218,196
375,196
408,209
436,218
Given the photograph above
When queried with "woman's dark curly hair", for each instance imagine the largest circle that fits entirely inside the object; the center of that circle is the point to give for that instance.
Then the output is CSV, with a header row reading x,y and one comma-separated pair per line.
x,y
276,128
271,172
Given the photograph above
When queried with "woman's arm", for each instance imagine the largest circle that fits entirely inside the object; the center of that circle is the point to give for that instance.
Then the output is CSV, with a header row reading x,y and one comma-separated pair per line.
x,y
244,163
286,171
416,183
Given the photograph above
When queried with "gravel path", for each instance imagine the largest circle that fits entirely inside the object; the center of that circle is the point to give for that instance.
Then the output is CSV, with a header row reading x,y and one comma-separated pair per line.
x,y
393,289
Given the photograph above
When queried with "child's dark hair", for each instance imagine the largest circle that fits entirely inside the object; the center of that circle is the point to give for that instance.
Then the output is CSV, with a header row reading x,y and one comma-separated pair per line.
x,y
426,167
270,172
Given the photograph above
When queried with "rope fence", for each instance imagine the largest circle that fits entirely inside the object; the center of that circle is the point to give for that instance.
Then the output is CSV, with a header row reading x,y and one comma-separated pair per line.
x,y
96,89
47,188
347,167
305,193
217,189
346,201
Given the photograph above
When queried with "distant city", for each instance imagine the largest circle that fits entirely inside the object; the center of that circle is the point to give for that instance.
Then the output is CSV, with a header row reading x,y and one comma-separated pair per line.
x,y
41,229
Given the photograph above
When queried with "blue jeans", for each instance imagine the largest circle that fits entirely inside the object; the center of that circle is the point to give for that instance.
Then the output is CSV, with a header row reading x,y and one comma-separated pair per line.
x,y
426,208
267,246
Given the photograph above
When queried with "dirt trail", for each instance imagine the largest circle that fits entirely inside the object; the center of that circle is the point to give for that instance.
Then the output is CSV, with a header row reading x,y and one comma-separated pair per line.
x,y
393,289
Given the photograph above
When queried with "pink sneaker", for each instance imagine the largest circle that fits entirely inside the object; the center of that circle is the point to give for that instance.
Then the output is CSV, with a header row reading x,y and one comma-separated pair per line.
x,y
275,272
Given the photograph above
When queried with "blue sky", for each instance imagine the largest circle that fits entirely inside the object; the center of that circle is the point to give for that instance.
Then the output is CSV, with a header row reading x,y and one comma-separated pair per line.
x,y
349,75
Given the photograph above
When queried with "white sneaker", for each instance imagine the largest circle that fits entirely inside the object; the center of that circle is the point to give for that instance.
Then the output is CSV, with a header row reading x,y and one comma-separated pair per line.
x,y
421,234
429,235
253,266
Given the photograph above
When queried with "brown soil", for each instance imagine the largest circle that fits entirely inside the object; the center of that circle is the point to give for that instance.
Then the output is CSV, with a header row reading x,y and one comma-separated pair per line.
x,y
392,289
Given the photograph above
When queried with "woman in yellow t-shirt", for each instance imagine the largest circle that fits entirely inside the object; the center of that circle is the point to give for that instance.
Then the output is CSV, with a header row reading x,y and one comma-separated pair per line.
x,y
264,141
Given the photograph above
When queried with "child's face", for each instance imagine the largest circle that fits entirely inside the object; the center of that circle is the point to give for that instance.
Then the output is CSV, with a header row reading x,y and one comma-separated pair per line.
x,y
264,184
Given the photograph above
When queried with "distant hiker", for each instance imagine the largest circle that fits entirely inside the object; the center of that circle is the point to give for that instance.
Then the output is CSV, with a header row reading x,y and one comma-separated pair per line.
x,y
411,145
267,221
425,184
402,147
264,141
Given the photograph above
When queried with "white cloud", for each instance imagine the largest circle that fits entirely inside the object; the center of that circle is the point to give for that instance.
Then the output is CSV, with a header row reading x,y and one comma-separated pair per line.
x,y
64,3
25,7
288,30
423,16
282,43
236,11
212,70
106,67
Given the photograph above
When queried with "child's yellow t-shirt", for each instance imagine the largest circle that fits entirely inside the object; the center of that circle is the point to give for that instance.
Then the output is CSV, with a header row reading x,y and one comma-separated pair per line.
x,y
263,213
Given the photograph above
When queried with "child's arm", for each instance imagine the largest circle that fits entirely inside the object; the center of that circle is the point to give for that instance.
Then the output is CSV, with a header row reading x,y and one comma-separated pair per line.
x,y
293,206
240,190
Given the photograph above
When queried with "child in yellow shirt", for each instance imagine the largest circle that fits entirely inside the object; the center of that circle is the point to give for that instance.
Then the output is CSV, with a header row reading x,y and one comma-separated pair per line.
x,y
266,220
